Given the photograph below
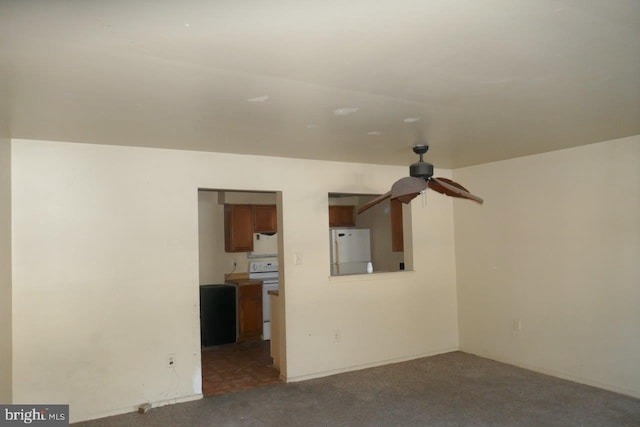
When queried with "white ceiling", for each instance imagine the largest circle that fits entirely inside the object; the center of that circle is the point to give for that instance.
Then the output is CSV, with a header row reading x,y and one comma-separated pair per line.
x,y
487,80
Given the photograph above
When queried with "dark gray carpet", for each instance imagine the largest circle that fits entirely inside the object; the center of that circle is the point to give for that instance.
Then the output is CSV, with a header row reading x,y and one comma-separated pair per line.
x,y
453,389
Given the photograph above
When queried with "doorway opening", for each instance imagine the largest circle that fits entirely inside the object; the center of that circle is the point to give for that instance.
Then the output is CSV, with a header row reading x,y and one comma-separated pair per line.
x,y
239,253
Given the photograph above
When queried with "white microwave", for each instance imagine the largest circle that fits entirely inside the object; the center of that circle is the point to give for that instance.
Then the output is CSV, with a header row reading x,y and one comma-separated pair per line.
x,y
265,245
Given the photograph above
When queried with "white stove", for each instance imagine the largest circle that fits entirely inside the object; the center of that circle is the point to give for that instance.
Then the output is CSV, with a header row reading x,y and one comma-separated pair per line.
x,y
263,270
268,273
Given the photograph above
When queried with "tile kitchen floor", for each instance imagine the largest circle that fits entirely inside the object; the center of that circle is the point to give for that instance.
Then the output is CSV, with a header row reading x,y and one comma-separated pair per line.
x,y
235,367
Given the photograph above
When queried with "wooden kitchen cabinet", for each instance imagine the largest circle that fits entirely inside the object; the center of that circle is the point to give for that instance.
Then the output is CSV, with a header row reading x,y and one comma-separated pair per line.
x,y
238,228
397,230
341,216
250,312
265,219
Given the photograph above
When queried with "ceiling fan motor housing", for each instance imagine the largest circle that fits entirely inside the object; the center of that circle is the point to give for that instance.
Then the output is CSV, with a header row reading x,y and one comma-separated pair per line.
x,y
421,170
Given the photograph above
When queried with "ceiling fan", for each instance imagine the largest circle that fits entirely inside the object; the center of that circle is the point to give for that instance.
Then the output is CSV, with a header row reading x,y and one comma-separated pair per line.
x,y
421,177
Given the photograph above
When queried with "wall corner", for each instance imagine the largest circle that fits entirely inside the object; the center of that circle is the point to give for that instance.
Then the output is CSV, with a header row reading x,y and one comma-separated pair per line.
x,y
6,301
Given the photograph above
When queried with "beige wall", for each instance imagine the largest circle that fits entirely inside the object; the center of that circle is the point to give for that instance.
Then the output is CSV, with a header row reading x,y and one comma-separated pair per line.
x,y
378,220
556,246
212,266
5,271
106,273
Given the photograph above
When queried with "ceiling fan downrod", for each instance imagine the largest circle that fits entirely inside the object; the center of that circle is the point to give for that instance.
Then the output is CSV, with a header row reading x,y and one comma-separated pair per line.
x,y
421,169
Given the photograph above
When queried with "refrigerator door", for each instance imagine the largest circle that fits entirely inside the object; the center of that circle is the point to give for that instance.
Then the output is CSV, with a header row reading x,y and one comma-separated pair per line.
x,y
350,245
348,268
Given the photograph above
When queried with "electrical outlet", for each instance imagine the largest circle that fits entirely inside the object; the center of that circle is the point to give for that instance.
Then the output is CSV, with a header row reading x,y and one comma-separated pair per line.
x,y
171,360
517,325
234,262
336,335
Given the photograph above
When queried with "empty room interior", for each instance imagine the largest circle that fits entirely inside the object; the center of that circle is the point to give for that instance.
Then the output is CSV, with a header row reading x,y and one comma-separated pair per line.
x,y
322,187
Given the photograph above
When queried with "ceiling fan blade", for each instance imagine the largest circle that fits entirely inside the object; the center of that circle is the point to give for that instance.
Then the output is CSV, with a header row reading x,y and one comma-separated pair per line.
x,y
374,202
409,186
437,184
453,189
406,198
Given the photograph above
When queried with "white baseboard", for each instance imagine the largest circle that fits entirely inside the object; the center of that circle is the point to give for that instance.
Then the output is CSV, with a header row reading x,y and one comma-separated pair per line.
x,y
559,374
176,400
129,409
366,365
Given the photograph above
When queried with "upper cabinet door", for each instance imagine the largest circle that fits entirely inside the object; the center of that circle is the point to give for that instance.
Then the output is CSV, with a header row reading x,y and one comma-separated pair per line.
x,y
341,216
238,228
265,219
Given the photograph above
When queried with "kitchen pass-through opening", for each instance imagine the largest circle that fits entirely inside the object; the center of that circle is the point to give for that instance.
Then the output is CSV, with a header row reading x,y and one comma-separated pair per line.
x,y
376,241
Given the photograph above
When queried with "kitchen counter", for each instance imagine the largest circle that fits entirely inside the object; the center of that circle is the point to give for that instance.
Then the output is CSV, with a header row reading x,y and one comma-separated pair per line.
x,y
243,282
241,279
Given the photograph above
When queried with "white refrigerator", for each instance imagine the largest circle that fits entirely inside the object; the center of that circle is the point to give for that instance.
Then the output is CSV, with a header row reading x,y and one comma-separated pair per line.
x,y
350,250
